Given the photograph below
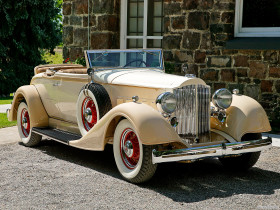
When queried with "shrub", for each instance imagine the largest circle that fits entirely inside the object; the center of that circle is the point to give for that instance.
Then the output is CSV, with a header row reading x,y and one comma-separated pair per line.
x,y
26,27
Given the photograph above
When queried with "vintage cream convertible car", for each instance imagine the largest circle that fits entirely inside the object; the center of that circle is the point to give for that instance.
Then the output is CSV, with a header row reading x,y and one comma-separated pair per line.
x,y
125,98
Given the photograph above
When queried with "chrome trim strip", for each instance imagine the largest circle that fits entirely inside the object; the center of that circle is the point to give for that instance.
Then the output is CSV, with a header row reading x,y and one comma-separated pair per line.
x,y
217,150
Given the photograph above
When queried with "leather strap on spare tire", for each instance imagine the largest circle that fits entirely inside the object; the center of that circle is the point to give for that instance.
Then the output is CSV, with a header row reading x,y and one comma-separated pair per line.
x,y
93,103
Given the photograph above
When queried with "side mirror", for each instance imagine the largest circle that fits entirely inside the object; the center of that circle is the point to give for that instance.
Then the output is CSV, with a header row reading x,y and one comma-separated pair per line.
x,y
90,72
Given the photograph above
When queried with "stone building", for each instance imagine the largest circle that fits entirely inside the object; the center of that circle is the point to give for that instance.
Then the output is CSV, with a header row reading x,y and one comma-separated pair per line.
x,y
228,43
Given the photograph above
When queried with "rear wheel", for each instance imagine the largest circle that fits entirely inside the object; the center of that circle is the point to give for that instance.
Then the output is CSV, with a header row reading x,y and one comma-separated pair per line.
x,y
24,127
244,161
134,160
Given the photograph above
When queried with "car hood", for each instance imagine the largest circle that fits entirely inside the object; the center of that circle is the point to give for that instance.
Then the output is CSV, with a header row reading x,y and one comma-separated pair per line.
x,y
144,78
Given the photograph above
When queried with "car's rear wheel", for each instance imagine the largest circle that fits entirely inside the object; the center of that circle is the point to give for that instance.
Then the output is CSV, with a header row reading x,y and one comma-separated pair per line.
x,y
24,127
244,161
93,103
134,160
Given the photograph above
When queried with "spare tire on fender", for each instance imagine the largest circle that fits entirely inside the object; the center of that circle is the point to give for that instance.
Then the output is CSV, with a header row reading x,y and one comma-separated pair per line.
x,y
93,103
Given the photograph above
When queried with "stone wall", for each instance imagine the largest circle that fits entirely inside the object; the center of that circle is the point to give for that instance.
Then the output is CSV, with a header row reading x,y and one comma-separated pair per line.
x,y
196,32
103,21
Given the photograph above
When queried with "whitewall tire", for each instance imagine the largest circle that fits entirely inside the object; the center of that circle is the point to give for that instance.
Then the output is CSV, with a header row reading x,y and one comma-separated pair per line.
x,y
24,127
134,160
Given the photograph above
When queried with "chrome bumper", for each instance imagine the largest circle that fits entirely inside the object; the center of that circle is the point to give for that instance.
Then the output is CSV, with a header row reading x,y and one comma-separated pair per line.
x,y
218,150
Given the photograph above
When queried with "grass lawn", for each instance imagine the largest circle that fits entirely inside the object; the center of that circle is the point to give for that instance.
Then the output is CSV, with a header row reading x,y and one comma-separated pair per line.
x,y
4,121
7,100
52,59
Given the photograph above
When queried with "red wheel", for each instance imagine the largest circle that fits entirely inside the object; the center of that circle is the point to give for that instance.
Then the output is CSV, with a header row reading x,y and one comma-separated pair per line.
x,y
24,127
129,148
134,160
25,122
89,113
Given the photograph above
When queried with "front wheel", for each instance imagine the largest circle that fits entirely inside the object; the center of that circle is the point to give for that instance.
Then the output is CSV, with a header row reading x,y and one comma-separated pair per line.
x,y
134,160
24,127
244,161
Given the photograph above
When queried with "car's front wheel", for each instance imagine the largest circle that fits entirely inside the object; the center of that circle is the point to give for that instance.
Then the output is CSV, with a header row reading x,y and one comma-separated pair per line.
x,y
244,161
24,127
134,160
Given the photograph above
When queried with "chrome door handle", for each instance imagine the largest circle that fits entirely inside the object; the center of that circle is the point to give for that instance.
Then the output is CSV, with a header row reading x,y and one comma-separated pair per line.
x,y
56,84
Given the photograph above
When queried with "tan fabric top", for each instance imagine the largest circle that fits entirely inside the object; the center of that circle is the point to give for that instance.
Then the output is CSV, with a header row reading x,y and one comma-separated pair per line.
x,y
68,68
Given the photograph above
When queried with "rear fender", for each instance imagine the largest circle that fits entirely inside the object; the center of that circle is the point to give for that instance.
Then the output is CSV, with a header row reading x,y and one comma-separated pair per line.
x,y
37,112
149,124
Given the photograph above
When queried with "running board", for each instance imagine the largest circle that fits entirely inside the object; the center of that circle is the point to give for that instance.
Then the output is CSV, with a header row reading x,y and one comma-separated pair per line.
x,y
56,134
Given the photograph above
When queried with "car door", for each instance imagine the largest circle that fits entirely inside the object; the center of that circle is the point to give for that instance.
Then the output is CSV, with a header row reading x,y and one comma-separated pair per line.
x,y
47,87
67,93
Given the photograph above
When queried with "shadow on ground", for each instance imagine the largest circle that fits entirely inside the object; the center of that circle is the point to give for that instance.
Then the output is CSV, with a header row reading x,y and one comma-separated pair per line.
x,y
180,182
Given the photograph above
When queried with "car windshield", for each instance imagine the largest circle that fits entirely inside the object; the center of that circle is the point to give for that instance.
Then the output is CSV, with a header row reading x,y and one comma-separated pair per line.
x,y
104,59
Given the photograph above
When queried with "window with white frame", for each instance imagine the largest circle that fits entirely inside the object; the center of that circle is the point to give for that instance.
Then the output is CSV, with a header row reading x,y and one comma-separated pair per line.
x,y
257,18
141,24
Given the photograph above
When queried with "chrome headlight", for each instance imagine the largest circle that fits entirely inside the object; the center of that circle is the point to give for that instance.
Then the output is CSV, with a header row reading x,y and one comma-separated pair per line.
x,y
166,102
222,98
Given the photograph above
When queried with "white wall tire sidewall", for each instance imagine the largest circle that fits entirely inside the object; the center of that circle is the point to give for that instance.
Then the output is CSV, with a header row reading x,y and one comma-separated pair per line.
x,y
79,112
24,139
126,172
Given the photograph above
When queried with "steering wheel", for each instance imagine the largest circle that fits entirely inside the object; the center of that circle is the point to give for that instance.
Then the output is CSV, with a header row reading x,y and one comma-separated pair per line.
x,y
136,60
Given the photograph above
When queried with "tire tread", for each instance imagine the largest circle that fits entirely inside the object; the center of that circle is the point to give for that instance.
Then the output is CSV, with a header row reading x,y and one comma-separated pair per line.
x,y
148,169
244,161
103,100
34,140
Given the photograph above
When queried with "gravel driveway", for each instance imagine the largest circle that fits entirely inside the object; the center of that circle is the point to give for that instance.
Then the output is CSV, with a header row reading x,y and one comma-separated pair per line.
x,y
55,176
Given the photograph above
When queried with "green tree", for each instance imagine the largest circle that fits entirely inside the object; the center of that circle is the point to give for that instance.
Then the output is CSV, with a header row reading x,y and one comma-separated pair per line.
x,y
26,27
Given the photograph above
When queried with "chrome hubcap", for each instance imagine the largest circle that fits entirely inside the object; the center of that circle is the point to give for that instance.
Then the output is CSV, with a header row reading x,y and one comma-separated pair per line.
x,y
88,115
128,148
24,123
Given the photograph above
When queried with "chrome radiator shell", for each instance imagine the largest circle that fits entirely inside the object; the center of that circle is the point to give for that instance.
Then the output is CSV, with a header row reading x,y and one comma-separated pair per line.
x,y
193,111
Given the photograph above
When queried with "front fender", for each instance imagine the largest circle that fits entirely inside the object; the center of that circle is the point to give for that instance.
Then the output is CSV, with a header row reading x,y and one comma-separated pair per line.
x,y
151,127
37,112
245,115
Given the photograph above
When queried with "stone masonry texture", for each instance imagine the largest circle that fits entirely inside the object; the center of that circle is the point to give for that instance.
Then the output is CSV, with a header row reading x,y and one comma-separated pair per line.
x,y
206,27
195,33
103,22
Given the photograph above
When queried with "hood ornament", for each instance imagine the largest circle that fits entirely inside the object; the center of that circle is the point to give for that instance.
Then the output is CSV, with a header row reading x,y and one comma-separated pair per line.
x,y
190,75
185,68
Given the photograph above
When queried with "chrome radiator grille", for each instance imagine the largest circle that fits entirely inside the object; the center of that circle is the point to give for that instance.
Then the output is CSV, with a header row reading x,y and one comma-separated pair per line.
x,y
193,110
